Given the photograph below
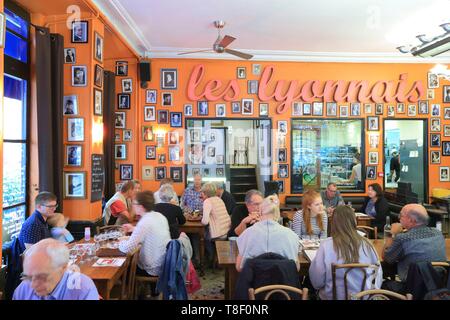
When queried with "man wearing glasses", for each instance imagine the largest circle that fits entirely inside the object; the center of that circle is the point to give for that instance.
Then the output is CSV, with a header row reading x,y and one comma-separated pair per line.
x,y
35,228
246,215
331,198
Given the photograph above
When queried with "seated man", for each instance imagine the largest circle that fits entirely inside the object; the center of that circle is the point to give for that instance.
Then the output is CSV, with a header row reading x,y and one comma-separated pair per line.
x,y
157,196
331,198
191,199
246,215
117,209
418,243
226,197
45,276
35,228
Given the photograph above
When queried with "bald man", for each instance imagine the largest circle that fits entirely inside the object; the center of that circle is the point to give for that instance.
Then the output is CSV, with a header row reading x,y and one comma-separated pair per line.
x,y
418,243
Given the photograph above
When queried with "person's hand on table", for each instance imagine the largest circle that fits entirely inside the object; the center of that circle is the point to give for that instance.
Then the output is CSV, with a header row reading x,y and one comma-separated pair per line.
x,y
396,228
252,218
128,228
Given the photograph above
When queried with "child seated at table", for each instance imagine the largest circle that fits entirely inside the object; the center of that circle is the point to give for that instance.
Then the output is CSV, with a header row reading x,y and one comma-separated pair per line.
x,y
59,232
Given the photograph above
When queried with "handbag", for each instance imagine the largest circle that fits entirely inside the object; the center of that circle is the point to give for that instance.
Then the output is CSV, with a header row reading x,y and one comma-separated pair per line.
x,y
192,281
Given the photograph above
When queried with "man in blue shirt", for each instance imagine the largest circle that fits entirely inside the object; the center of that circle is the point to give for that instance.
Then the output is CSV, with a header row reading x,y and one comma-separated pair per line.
x,y
35,228
45,276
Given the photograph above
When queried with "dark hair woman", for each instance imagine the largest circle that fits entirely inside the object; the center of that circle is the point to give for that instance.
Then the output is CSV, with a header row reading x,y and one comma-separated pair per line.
x,y
376,206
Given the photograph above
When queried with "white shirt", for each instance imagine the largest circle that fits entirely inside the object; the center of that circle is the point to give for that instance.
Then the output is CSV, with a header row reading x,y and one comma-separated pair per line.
x,y
158,198
152,231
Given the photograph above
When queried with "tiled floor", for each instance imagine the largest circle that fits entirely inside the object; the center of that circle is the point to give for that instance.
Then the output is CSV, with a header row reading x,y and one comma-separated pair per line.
x,y
212,286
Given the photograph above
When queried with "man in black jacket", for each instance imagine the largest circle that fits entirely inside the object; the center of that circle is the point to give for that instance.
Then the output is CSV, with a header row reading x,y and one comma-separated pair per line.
x,y
226,197
395,166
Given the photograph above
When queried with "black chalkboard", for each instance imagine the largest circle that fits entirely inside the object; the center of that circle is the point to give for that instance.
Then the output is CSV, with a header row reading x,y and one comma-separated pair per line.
x,y
97,177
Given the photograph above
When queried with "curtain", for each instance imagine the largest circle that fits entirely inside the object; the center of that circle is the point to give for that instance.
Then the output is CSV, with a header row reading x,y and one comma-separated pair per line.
x,y
49,91
109,102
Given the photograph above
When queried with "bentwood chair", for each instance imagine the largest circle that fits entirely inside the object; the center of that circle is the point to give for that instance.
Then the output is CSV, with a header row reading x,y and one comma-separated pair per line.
x,y
371,233
443,268
280,289
364,269
126,282
379,294
142,280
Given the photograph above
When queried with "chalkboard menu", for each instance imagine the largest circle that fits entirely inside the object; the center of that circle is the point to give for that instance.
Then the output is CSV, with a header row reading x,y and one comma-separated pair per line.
x,y
97,177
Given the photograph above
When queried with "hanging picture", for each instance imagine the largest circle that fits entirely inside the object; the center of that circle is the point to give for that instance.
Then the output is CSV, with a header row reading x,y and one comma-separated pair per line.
x,y
126,172
147,133
447,94
176,174
121,68
127,135
98,102
188,109
70,104
120,151
446,148
423,107
69,55
127,86
149,113
120,120
412,112
79,76
123,101
236,107
79,31
435,157
241,73
373,157
98,76
98,47
371,172
283,171
433,81
444,174
379,108
168,79
355,109
435,140
331,109
74,185
147,173
343,111
74,155
263,109
150,96
160,173
166,99
317,108
373,123
247,106
150,152
75,129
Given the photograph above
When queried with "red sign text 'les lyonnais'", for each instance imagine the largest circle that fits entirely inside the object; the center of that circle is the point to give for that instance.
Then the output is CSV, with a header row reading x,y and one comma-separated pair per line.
x,y
383,91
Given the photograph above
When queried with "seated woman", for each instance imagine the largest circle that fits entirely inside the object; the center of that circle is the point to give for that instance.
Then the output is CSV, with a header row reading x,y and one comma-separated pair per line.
x,y
172,212
376,206
344,246
311,222
152,231
267,235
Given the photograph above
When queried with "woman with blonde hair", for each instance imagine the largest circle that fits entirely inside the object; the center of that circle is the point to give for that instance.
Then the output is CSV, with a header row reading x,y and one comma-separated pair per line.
x,y
311,222
344,246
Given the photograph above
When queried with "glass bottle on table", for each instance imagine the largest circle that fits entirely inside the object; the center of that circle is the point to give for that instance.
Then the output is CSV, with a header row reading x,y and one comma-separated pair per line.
x,y
87,234
387,229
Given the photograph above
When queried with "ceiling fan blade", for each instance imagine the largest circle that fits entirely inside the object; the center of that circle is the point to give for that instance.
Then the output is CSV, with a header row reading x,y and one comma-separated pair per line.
x,y
239,54
226,41
206,50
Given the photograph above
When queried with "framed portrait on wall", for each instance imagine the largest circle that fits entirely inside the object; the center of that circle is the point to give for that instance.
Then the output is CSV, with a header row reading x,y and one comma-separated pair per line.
x,y
98,47
221,110
400,108
297,108
176,174
120,151
126,172
98,102
435,157
174,153
75,185
423,107
121,68
74,155
280,186
373,157
120,120
390,110
446,94
355,109
127,135
147,133
252,86
446,148
247,106
435,124
123,101
373,124
150,96
161,158
433,81
188,109
236,107
149,113
283,171
343,111
412,110
444,174
160,173
241,73
166,98
371,172
318,108
176,120
436,110
79,76
368,108
70,105
79,31
75,129
446,130
331,109
163,116
435,140
306,108
168,79
150,152
147,173
379,108
263,109
127,85
69,55
256,69
98,76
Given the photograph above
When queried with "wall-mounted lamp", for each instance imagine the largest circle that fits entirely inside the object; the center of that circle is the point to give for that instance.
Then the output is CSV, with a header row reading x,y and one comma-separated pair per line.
x,y
97,132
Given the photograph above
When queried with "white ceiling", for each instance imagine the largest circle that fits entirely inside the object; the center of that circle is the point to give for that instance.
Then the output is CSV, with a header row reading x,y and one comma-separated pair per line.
x,y
301,30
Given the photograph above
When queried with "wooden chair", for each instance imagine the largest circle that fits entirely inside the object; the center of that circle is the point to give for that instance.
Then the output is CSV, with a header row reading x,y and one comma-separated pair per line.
x,y
126,282
369,231
139,280
379,294
445,266
277,288
349,267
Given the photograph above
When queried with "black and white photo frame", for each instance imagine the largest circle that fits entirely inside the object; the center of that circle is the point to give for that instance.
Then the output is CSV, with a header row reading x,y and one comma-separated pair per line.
x,y
126,172
98,47
123,101
120,120
169,79
122,68
373,123
80,31
79,76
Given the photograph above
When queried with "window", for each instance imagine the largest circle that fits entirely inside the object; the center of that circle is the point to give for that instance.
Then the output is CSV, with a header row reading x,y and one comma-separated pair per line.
x,y
15,123
326,151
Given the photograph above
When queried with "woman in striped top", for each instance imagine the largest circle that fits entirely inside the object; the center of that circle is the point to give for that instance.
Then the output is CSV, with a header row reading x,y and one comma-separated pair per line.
x,y
311,222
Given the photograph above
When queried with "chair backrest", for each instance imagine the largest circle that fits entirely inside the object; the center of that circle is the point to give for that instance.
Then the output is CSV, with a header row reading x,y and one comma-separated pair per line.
x,y
371,233
131,277
360,267
379,294
443,267
277,288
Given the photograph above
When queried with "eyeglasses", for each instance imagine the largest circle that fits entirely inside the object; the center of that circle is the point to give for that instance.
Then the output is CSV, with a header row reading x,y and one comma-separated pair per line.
x,y
332,191
42,277
52,206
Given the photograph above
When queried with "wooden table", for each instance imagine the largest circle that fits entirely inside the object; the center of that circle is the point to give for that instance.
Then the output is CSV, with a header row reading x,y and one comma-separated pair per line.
x,y
198,228
227,252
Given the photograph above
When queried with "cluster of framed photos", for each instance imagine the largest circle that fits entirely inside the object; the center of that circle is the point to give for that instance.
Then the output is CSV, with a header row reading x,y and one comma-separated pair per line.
x,y
159,173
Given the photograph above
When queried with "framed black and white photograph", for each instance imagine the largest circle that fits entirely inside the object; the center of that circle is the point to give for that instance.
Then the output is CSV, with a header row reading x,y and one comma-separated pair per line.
x,y
412,110
219,159
283,171
79,76
74,155
297,108
176,120
430,94
123,101
373,157
444,174
176,174
306,108
162,158
280,186
69,55
331,109
374,139
221,110
150,152
206,172
188,110
147,173
220,172
168,79
241,73
75,185
70,104
117,137
163,116
433,81
343,111
247,106
371,172
202,108
263,109
127,137
435,124
236,107
423,106
447,113
379,108
150,96
79,31
282,155
373,124
447,130
252,86
75,129
446,148
211,152
149,113
126,172
98,47
98,102
256,69
390,110
174,153
160,173
435,140
400,108
355,109
436,110
121,68
120,121
368,108
173,137
282,127
120,151
127,85
317,108
446,94
195,135
435,157
98,76
166,99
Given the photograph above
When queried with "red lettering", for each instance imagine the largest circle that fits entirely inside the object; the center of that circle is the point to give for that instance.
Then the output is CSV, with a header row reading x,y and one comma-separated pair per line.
x,y
194,81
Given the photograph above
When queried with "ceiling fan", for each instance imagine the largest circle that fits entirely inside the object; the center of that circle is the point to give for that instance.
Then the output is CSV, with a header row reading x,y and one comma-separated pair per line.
x,y
221,44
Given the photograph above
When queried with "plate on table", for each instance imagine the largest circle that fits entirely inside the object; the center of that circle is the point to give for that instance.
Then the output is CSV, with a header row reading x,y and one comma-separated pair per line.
x,y
192,218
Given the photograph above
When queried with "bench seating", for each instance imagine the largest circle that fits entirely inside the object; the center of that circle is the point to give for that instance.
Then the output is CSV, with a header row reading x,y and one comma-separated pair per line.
x,y
295,202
